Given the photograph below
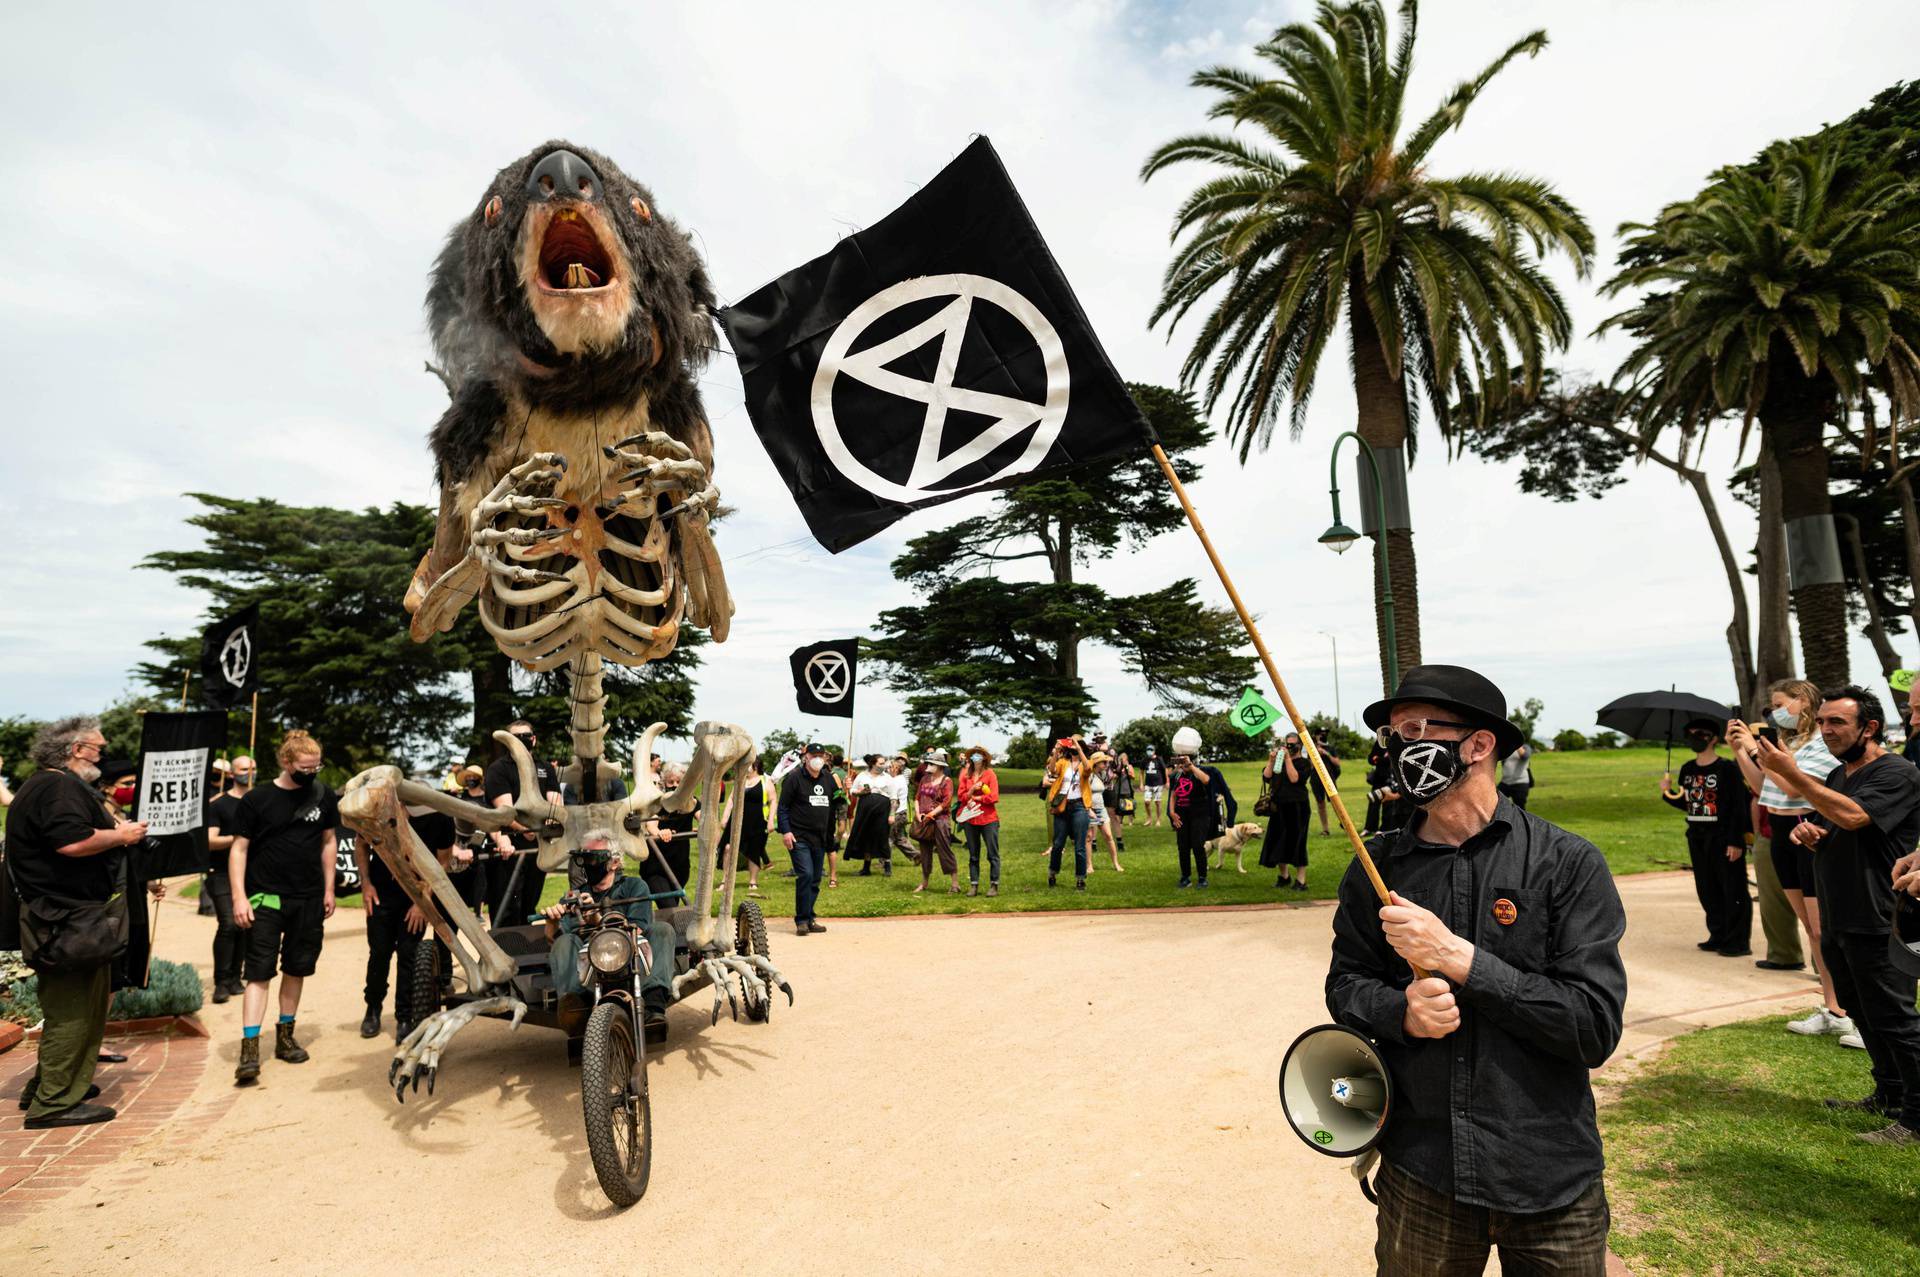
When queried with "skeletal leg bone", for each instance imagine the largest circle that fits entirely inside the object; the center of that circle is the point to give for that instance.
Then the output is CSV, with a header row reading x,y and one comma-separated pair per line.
x,y
417,1058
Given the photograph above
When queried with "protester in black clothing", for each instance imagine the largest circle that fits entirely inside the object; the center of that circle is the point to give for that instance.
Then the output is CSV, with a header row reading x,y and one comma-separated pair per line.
x,y
66,854
1377,777
281,868
1866,819
518,844
804,819
674,839
1493,1137
753,826
395,925
1285,845
1197,793
1323,741
1153,784
229,941
1714,796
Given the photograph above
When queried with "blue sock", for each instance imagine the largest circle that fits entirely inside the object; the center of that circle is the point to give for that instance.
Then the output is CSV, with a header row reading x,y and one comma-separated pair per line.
x,y
286,1019
250,1031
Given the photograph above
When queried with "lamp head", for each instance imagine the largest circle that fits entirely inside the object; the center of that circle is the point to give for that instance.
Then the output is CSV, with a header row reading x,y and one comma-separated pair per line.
x,y
1339,537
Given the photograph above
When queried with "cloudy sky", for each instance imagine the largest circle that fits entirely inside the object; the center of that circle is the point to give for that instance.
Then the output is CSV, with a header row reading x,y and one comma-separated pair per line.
x,y
218,222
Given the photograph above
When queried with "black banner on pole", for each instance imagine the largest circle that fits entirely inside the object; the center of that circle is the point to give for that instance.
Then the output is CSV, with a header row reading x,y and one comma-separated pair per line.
x,y
823,676
230,659
176,784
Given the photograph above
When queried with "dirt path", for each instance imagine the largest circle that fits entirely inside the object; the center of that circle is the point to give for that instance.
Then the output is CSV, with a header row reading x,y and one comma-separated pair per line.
x,y
1053,1094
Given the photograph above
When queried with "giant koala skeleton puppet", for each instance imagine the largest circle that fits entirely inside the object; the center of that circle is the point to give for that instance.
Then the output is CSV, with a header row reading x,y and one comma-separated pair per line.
x,y
570,320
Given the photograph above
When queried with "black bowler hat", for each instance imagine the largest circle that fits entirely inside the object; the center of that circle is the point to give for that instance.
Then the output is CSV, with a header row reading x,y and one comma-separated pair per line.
x,y
1459,690
1903,942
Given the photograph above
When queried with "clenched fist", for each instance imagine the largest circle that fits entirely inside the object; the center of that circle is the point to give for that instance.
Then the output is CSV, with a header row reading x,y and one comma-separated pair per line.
x,y
1432,1011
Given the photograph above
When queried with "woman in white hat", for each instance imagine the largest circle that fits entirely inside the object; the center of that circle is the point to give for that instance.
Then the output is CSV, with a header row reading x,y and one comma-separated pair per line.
x,y
932,819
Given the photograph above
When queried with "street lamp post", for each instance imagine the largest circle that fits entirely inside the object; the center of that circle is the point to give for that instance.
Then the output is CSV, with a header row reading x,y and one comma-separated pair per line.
x,y
1339,537
1333,639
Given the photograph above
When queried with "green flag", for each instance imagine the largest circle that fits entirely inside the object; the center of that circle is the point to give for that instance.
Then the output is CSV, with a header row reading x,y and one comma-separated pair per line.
x,y
1901,680
1254,714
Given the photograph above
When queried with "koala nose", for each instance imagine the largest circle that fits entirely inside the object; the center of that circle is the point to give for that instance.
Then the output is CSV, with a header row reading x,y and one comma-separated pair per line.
x,y
563,175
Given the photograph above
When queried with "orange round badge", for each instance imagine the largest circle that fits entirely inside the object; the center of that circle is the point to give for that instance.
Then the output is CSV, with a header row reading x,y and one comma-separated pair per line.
x,y
1503,912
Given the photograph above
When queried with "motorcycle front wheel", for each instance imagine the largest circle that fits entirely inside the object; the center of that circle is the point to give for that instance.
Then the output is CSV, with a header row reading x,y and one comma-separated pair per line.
x,y
613,1099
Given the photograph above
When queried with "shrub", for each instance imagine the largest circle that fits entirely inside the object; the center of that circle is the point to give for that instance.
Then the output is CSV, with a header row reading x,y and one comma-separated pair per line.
x,y
173,988
1346,742
1028,750
1604,740
1569,740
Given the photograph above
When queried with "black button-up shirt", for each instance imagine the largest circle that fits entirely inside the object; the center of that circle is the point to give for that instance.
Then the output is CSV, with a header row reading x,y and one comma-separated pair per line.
x,y
1499,1113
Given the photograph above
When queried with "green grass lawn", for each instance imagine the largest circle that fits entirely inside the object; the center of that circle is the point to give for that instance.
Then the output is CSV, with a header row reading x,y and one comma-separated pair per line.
x,y
1608,797
1722,1159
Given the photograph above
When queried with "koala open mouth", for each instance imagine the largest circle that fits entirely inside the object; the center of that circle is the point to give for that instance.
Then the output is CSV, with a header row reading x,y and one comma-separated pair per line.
x,y
572,258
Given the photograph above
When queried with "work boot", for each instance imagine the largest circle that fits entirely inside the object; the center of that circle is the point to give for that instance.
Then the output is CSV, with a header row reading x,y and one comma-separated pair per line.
x,y
220,993
974,890
285,1048
370,1027
993,889
247,1072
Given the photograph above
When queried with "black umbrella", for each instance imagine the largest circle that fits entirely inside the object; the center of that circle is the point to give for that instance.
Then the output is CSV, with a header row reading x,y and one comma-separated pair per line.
x,y
1662,716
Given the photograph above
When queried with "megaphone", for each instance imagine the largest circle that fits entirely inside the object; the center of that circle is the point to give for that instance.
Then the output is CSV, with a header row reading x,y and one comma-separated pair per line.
x,y
1336,1091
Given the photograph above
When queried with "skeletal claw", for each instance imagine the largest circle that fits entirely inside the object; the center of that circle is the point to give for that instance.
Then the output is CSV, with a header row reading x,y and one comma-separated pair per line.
x,y
432,1074
788,990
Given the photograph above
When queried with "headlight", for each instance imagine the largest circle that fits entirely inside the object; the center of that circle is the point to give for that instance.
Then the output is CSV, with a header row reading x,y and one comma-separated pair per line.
x,y
610,951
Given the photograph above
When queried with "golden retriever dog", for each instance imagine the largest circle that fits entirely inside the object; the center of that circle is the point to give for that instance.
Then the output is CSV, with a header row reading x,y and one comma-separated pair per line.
x,y
1235,840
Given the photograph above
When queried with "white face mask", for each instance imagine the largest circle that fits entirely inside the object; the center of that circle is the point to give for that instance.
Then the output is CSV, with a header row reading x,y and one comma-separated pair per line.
x,y
1785,719
977,759
814,764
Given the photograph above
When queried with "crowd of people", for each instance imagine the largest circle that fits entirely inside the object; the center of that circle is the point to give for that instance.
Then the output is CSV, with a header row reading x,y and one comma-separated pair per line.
x,y
1831,820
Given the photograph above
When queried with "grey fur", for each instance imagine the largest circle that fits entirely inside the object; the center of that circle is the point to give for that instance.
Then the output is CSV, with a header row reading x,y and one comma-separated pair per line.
x,y
481,323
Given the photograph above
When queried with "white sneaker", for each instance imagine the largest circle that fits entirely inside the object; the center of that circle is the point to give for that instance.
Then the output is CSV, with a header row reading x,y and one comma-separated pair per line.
x,y
1853,1039
1816,1024
1842,1025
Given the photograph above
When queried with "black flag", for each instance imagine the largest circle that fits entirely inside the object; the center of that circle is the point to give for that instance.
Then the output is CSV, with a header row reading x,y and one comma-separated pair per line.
x,y
936,353
823,675
230,659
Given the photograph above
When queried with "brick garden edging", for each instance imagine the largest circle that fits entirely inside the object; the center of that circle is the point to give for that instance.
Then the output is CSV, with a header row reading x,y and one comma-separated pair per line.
x,y
165,1060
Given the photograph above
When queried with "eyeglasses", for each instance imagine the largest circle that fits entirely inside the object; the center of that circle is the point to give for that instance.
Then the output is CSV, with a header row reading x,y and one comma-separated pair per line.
x,y
1413,729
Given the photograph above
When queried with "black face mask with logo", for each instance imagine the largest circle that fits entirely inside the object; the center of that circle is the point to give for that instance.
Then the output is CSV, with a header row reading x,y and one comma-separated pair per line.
x,y
1425,769
1699,740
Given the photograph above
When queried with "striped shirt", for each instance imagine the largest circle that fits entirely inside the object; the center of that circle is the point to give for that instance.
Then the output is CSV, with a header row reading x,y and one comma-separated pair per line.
x,y
1815,760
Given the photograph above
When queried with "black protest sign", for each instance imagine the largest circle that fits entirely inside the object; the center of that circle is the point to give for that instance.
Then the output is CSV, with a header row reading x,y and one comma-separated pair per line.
x,y
176,782
936,353
229,659
823,676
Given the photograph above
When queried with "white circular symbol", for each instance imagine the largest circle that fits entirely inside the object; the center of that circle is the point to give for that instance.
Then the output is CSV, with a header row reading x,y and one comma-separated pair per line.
x,y
1011,416
1417,769
236,657
826,676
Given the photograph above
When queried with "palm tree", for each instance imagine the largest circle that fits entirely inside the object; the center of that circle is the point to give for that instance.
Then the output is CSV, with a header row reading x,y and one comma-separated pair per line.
x,y
1325,211
1782,292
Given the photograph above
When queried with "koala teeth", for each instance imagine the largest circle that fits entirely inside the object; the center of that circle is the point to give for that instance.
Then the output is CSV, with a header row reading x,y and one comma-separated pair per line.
x,y
581,276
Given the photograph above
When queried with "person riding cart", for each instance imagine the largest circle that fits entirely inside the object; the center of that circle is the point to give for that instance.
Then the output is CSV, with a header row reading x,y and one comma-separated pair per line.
x,y
604,887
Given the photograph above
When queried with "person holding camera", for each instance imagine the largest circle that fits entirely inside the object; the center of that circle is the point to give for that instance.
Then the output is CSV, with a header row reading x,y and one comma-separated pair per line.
x,y
1285,845
1069,796
1195,797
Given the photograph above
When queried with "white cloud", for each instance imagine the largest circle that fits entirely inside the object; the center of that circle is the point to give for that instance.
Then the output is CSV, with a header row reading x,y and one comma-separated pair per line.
x,y
218,232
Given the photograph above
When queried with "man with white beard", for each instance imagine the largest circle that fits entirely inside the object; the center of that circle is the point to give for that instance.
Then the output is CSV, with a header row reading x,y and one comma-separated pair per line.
x,y
64,850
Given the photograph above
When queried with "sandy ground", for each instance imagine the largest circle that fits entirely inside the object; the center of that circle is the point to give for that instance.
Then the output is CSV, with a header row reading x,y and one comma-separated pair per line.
x,y
1032,1094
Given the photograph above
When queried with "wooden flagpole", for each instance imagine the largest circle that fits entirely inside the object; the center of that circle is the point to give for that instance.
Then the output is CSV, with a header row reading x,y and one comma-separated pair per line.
x,y
253,732
184,680
1280,686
